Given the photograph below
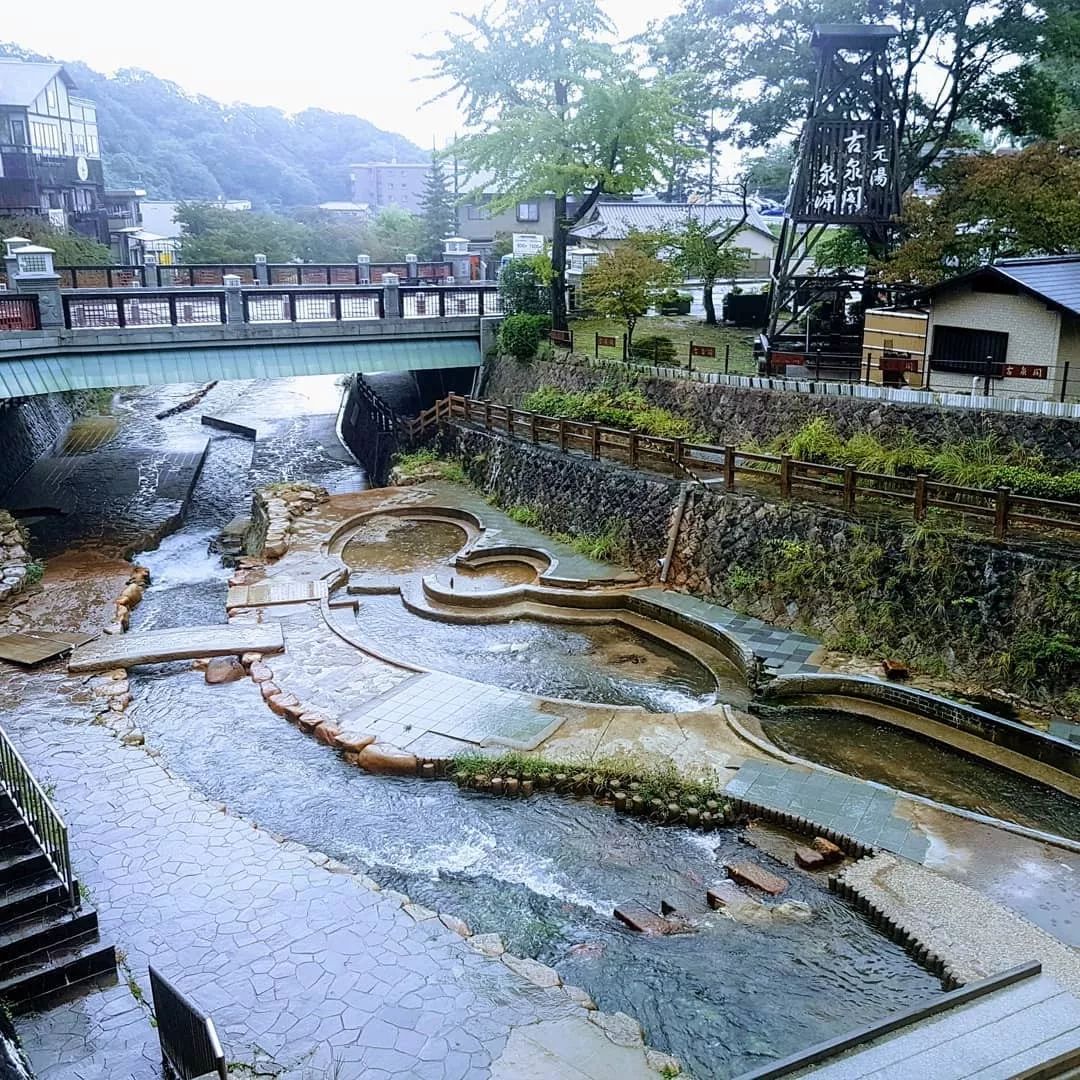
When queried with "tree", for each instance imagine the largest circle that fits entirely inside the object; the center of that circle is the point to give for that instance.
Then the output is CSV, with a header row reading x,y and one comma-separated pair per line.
x,y
395,234
557,111
626,282
522,283
706,252
953,62
769,174
991,206
841,251
437,210
70,249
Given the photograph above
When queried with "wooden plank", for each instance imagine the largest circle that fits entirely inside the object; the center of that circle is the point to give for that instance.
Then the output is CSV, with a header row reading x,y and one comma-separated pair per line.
x,y
34,647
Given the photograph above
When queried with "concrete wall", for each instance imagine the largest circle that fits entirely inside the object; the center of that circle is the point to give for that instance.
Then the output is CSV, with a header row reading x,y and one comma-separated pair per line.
x,y
1033,332
31,427
734,549
731,414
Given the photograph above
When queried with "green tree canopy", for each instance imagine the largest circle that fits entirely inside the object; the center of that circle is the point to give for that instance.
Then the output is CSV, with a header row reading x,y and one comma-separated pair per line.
x,y
437,211
626,282
992,206
556,111
70,248
954,62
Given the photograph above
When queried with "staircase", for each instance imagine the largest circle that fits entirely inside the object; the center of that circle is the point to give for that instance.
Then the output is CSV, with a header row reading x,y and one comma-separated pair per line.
x,y
48,941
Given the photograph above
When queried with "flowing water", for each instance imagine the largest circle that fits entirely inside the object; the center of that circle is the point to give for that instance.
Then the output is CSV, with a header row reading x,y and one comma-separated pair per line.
x,y
546,872
872,750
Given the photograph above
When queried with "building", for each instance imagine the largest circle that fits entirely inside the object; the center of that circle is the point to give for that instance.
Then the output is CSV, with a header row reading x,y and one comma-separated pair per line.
x,y
481,226
1014,324
360,211
50,157
389,184
610,223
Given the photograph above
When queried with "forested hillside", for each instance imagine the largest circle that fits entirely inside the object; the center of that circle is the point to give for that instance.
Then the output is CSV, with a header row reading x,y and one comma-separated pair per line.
x,y
182,146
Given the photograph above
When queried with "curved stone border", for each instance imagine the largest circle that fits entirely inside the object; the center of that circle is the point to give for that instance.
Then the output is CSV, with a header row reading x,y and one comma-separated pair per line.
x,y
1057,753
273,510
769,749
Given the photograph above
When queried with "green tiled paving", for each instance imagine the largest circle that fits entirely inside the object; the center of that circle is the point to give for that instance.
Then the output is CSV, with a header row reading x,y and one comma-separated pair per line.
x,y
501,529
447,707
785,652
855,807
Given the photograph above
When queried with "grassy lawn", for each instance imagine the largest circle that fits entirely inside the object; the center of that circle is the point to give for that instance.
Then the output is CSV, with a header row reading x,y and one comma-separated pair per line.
x,y
681,329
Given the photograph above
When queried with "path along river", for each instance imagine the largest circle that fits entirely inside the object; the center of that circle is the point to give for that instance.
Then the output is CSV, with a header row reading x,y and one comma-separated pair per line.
x,y
545,872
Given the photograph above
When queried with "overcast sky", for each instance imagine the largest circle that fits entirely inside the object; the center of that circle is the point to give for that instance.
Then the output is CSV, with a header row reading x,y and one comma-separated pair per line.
x,y
352,56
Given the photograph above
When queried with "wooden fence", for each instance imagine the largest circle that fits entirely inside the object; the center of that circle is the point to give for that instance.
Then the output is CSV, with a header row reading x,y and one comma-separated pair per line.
x,y
845,485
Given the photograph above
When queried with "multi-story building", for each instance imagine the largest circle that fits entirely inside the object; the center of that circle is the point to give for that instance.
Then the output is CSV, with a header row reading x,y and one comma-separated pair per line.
x,y
385,184
480,225
50,158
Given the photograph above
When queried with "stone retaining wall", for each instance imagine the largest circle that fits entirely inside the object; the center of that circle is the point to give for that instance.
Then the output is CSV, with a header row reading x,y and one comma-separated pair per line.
x,y
31,427
738,415
739,550
14,556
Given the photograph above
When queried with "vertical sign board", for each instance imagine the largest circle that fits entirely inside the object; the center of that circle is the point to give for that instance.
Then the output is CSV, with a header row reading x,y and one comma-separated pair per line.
x,y
849,173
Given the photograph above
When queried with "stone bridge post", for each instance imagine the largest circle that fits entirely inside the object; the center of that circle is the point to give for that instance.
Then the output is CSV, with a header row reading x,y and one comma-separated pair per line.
x,y
391,296
234,300
363,263
262,271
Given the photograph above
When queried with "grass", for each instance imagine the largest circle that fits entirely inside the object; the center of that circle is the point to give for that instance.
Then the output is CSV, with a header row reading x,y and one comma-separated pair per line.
x,y
653,780
621,406
524,515
35,571
682,329
419,461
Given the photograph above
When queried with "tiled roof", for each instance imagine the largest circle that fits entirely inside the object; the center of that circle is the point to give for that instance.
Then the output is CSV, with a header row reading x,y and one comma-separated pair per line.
x,y
615,220
1055,279
22,81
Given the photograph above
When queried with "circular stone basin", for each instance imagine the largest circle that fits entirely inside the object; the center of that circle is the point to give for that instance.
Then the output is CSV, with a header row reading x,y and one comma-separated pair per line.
x,y
387,544
490,576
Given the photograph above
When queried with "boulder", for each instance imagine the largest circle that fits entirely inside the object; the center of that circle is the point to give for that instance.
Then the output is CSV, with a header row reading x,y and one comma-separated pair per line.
x,y
579,997
384,758
327,733
224,669
282,702
452,922
827,849
309,720
488,944
809,859
261,673
664,1064
353,741
538,974
621,1029
131,596
250,658
269,690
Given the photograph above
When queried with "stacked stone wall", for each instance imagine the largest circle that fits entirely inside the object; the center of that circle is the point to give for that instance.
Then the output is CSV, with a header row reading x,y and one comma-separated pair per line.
x,y
740,550
738,415
14,556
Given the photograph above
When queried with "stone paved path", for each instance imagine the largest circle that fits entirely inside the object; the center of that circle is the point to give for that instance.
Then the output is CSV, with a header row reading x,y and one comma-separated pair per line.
x,y
299,966
785,652
859,809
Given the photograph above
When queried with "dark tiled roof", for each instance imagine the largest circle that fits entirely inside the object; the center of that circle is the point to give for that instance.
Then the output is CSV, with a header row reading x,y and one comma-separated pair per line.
x,y
615,220
1054,279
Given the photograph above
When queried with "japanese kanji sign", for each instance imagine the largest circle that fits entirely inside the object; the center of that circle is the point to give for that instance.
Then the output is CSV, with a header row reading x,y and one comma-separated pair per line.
x,y
1024,371
848,175
702,350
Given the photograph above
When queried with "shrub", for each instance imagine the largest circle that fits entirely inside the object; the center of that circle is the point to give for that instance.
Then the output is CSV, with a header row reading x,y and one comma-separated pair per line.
x,y
816,441
618,408
654,348
524,515
35,571
522,286
522,335
412,463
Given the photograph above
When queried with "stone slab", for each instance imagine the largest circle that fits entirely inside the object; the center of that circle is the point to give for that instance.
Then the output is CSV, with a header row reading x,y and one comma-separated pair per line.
x,y
638,917
35,646
748,873
184,643
268,593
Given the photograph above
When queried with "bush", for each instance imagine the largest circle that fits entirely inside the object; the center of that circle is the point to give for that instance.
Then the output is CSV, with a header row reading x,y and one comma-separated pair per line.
x,y
618,408
653,348
522,335
522,286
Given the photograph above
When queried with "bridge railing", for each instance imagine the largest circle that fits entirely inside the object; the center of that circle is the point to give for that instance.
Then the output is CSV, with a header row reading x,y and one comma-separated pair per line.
x,y
112,310
337,305
448,301
19,313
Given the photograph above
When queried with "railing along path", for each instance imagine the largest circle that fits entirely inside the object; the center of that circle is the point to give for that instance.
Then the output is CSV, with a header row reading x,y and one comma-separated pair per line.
x,y
1002,508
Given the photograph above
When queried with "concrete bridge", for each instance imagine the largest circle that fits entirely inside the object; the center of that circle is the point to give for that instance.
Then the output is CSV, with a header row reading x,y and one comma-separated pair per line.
x,y
54,339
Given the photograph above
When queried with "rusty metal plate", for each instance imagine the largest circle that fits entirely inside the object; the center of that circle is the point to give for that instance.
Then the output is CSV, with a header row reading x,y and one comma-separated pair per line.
x,y
34,647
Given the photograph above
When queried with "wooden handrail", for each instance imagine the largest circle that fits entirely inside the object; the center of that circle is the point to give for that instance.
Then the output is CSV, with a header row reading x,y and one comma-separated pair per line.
x,y
851,484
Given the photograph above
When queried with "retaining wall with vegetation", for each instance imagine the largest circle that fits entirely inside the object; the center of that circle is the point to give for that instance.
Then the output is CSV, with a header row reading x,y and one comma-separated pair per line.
x,y
944,602
740,415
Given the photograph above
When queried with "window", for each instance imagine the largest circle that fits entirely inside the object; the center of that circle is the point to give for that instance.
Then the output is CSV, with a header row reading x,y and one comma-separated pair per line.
x,y
33,264
477,212
18,132
50,95
528,211
958,348
45,138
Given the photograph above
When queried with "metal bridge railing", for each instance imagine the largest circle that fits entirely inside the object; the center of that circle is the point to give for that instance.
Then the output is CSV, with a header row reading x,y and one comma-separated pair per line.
x,y
38,813
189,1041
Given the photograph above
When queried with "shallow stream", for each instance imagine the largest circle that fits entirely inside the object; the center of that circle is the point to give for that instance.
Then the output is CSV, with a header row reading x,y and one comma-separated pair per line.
x,y
545,872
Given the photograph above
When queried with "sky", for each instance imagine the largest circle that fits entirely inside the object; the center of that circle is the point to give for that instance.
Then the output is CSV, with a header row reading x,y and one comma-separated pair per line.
x,y
351,56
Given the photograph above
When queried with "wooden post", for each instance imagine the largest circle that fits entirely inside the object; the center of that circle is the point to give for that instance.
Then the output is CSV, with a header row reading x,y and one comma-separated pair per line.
x,y
920,496
850,479
624,351
677,455
596,346
468,410
690,358
562,434
727,357
729,468
487,415
633,449
785,475
596,442
1064,380
534,431
1001,514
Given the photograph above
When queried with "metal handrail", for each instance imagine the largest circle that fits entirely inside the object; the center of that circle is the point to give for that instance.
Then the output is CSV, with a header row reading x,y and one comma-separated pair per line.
x,y
38,813
189,1041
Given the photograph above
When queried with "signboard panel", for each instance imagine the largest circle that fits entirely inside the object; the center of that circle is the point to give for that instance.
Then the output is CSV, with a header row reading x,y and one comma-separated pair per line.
x,y
702,350
605,342
528,244
1024,371
848,174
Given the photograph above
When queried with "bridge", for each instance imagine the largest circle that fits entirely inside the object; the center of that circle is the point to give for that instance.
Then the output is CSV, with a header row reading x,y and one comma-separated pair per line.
x,y
54,339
